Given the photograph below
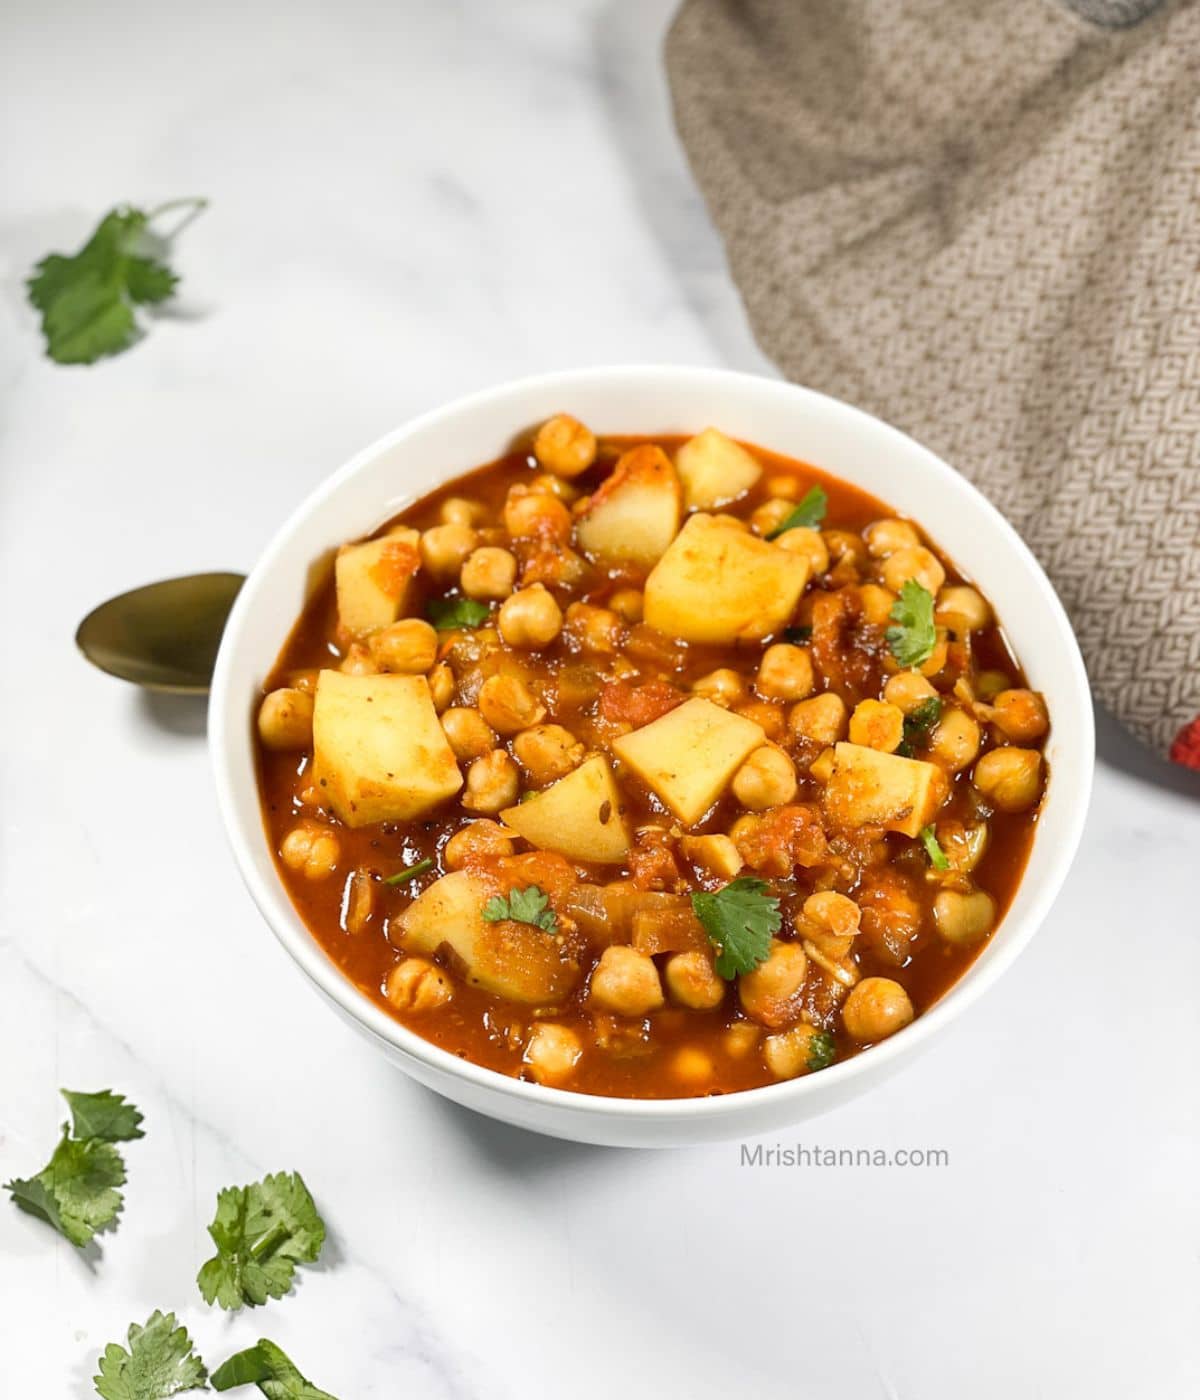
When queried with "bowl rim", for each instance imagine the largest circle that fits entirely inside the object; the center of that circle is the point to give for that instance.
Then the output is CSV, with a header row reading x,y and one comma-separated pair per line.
x,y
228,710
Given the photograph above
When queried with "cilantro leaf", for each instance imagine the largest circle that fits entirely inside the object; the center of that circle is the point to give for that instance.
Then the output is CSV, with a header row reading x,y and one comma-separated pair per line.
x,y
159,1363
808,515
103,1115
76,1190
449,614
266,1366
262,1232
410,872
933,849
917,724
798,636
87,299
739,920
528,906
821,1050
913,638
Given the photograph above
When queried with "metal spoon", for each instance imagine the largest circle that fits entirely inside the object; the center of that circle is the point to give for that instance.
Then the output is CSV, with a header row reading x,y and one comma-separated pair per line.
x,y
163,636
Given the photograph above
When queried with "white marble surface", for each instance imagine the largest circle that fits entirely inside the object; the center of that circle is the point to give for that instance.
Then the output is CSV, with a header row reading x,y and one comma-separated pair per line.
x,y
410,201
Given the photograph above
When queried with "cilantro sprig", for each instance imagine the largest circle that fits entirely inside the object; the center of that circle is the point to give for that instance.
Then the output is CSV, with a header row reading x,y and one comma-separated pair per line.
x,y
807,514
917,724
77,1190
157,1363
452,614
88,299
410,872
822,1050
914,635
267,1366
262,1232
528,906
739,921
933,849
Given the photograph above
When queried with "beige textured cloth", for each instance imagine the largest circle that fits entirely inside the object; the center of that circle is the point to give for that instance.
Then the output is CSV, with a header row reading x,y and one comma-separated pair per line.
x,y
980,219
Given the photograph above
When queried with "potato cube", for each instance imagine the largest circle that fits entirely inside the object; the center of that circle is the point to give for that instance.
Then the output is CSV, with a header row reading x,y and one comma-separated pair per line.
x,y
379,752
714,470
633,517
374,581
871,788
688,755
719,584
579,816
510,959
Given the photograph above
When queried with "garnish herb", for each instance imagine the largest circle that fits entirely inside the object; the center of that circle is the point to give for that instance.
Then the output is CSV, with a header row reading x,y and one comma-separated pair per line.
x,y
821,1050
739,920
87,300
266,1366
528,906
917,724
410,872
937,857
159,1363
262,1232
914,636
797,635
76,1191
808,514
450,614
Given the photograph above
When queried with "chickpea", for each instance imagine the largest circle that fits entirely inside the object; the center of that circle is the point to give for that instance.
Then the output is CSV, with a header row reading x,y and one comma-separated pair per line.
x,y
492,783
547,752
885,537
770,515
488,574
467,732
955,739
536,515
908,689
1009,778
417,985
475,840
771,993
457,510
875,1009
441,686
834,913
530,618
877,724
1021,715
797,1051
627,603
596,630
766,779
989,684
962,919
939,655
693,982
552,1052
444,550
692,1066
564,446
626,981
550,485
717,854
785,485
801,540
724,687
845,549
877,603
821,720
741,1038
962,609
508,704
409,646
311,850
916,563
785,672
285,719
358,661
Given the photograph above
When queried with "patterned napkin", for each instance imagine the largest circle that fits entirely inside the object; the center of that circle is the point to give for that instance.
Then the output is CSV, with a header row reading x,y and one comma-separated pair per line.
x,y
980,219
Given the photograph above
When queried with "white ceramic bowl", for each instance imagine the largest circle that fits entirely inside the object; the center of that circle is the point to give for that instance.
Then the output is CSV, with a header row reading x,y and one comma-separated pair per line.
x,y
798,422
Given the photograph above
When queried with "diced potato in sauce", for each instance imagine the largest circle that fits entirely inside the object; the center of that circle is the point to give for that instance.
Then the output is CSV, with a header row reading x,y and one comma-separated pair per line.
x,y
598,831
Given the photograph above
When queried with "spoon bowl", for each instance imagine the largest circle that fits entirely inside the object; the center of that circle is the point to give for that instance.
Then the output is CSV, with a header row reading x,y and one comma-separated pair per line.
x,y
163,636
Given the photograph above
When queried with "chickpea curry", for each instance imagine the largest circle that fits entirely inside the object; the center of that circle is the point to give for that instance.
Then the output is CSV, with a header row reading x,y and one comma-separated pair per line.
x,y
650,768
